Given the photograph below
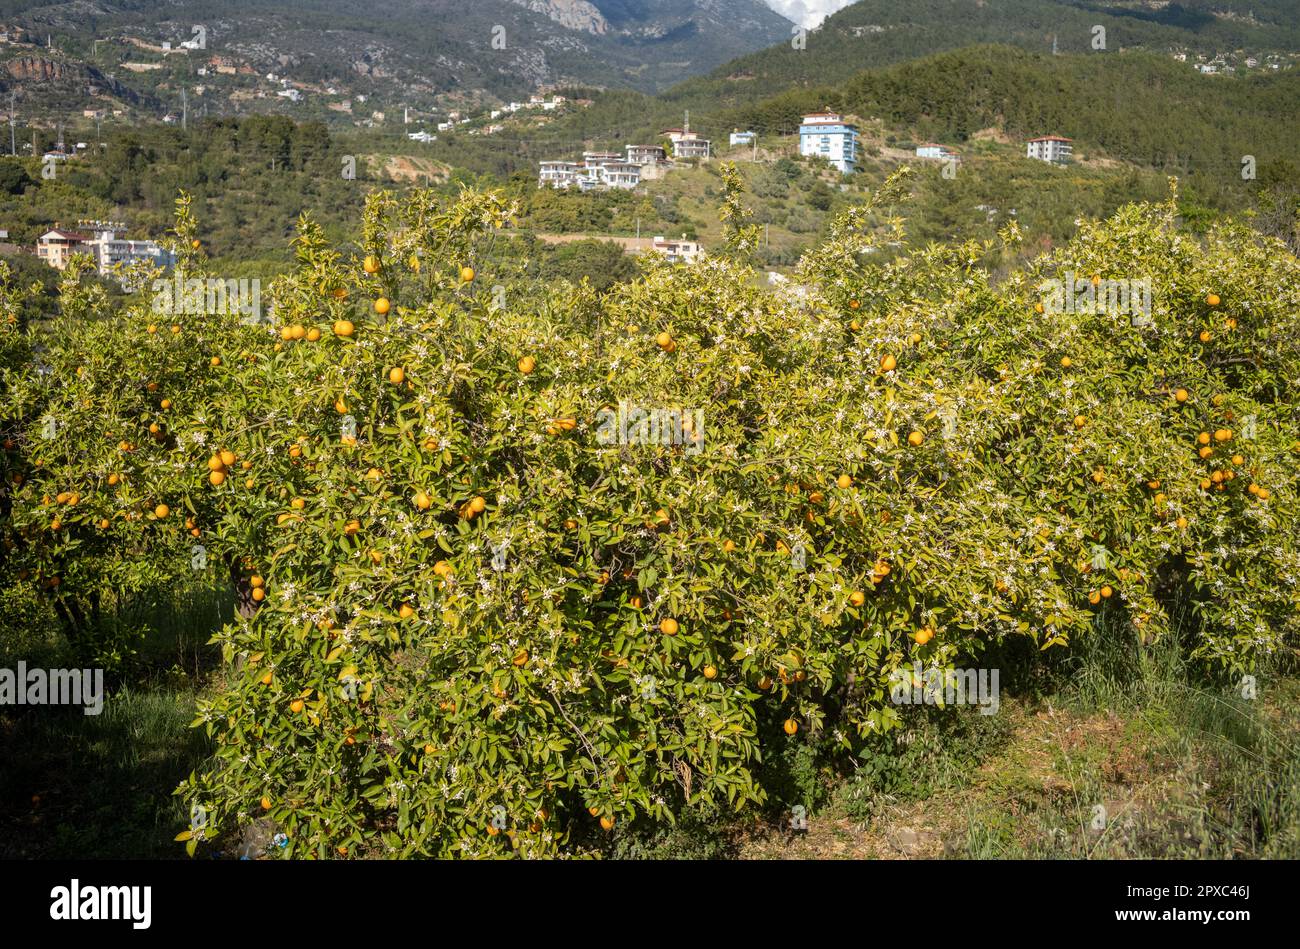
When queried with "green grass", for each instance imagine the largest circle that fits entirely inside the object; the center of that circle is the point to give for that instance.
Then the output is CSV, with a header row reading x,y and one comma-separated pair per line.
x,y
100,786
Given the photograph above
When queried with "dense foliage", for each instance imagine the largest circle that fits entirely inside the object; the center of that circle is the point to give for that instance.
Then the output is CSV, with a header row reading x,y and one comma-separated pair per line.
x,y
476,617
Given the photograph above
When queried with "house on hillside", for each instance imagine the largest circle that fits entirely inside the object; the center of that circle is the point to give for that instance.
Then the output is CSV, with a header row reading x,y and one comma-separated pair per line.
x,y
678,251
688,144
57,246
558,174
1050,148
934,151
827,135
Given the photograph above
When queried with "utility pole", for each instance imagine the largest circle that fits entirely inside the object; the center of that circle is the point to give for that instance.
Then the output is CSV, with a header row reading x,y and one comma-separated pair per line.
x,y
13,141
185,110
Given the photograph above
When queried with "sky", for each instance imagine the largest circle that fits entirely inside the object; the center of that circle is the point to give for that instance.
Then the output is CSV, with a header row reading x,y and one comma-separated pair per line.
x,y
807,13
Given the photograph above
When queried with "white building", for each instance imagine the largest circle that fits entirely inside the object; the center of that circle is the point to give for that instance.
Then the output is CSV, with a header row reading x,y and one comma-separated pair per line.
x,y
687,144
935,151
827,135
1052,148
621,174
678,251
559,174
646,154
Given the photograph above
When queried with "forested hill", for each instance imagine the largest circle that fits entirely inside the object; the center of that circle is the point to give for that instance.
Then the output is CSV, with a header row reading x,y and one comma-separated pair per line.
x,y
1142,108
875,33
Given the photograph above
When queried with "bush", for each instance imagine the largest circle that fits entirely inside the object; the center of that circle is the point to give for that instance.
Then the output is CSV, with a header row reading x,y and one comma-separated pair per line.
x,y
471,625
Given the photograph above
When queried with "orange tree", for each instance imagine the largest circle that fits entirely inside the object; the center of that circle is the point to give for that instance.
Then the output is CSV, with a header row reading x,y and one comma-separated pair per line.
x,y
486,611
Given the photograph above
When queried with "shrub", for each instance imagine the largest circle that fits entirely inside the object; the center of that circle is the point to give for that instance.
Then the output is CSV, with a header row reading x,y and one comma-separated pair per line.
x,y
470,625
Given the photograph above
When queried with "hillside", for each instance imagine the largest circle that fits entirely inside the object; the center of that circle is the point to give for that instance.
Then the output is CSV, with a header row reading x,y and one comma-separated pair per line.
x,y
875,33
1138,107
417,51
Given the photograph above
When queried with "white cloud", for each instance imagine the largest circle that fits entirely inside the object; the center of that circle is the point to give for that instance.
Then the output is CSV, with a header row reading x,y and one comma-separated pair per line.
x,y
807,13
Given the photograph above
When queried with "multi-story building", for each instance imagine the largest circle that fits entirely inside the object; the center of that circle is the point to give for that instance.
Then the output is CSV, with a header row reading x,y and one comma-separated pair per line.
x,y
646,154
687,144
678,251
110,251
1051,148
827,135
621,174
57,246
559,174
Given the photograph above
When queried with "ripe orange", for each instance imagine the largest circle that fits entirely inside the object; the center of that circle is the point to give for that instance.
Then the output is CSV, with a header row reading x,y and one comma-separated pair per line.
x,y
296,706
888,363
423,501
710,672
442,568
1094,597
1080,421
923,635
857,598
1106,592
664,340
343,328
370,265
1205,336
668,626
1223,435
258,594
161,511
397,375
844,481
790,726
382,306
521,658
915,439
607,823
1180,395
268,678
477,505
1065,362
1212,299
405,611
217,478
466,274
527,365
